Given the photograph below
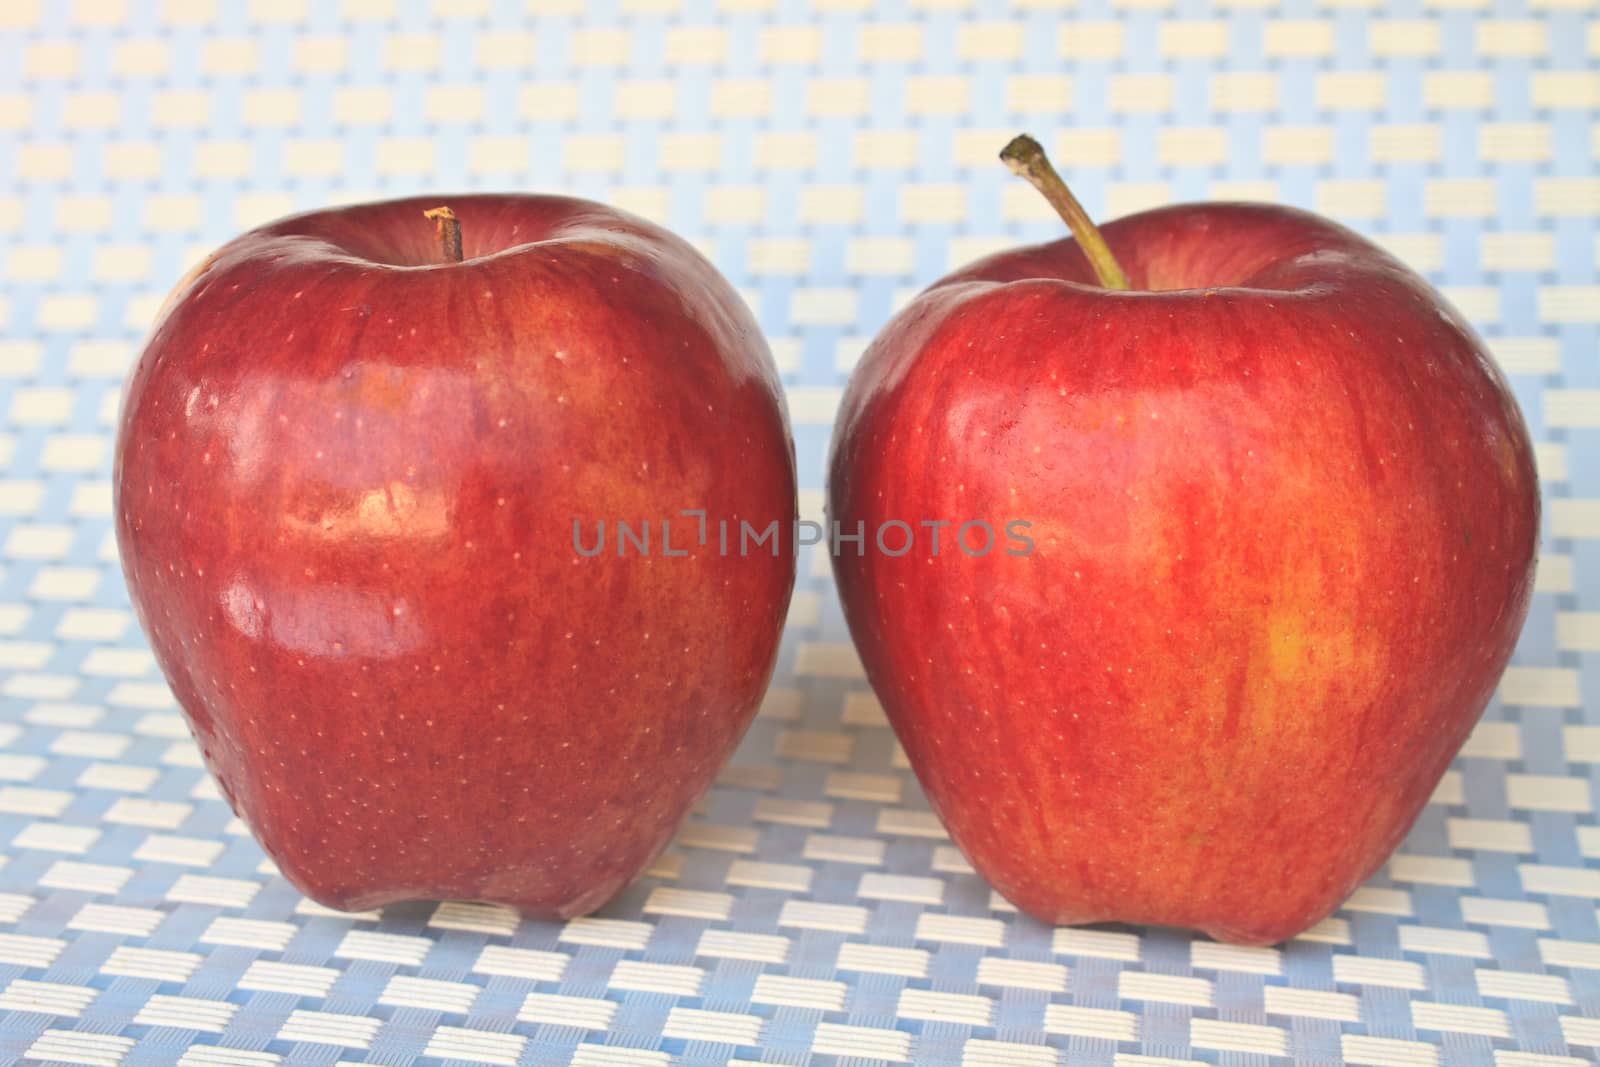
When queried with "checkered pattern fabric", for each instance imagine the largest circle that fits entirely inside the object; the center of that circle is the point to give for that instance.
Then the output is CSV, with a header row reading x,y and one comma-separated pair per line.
x,y
832,159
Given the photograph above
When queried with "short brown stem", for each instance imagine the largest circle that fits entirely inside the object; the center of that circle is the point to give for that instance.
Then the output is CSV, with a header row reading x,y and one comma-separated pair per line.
x,y
448,228
1025,157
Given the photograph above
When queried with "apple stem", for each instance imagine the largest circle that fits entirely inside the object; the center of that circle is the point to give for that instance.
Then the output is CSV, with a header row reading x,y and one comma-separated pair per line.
x,y
1026,158
448,228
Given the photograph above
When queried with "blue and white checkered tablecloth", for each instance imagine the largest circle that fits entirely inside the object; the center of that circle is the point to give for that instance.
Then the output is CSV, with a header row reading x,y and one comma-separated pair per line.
x,y
832,159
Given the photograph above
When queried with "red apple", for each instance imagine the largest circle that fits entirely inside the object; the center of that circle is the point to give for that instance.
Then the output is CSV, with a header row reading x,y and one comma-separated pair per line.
x,y
347,475
1284,517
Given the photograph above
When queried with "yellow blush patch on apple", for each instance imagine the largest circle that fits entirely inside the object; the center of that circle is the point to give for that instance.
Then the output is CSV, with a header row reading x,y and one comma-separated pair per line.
x,y
1511,463
1309,656
393,512
379,389
398,511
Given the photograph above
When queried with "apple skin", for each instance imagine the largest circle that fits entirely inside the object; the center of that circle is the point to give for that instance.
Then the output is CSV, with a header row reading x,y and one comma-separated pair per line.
x,y
1285,519
346,480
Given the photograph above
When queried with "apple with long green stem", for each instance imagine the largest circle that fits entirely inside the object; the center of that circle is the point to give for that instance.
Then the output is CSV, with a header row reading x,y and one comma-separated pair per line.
x,y
1285,517
348,470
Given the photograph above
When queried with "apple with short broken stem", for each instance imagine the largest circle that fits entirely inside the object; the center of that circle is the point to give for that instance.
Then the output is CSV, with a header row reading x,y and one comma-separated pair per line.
x,y
1285,517
348,469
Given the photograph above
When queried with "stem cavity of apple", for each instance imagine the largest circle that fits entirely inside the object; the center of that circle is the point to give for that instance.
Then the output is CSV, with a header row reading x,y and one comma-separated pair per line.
x,y
1026,158
448,227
